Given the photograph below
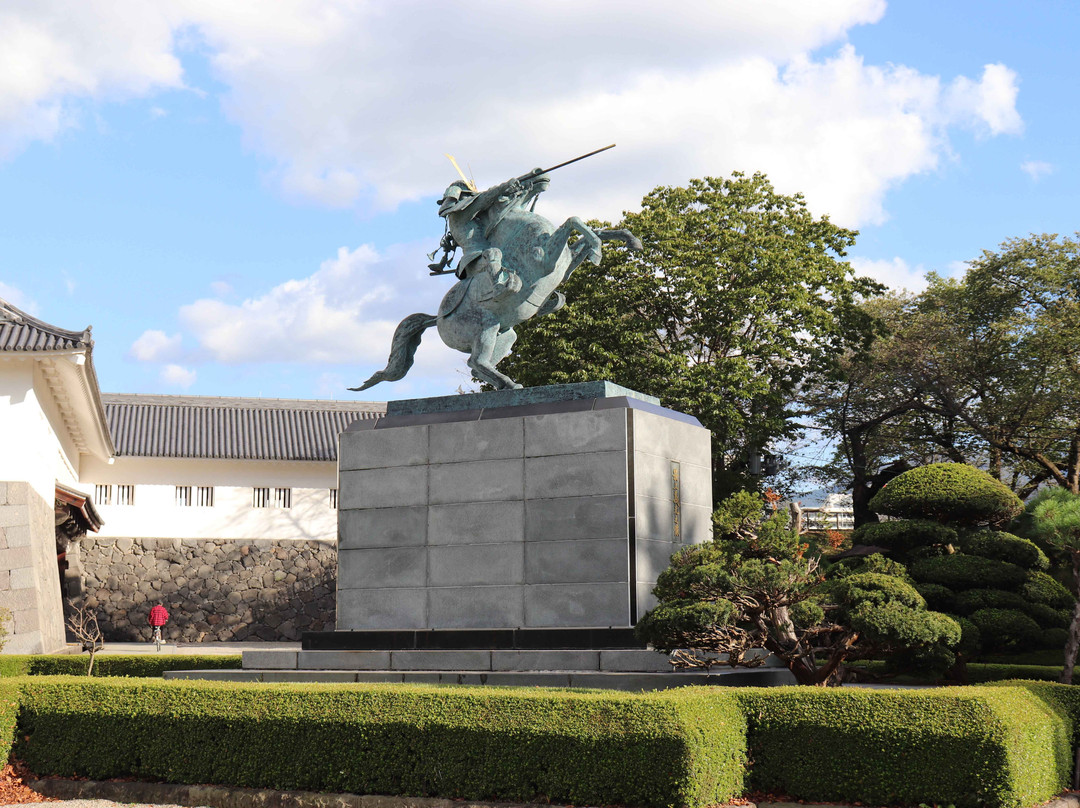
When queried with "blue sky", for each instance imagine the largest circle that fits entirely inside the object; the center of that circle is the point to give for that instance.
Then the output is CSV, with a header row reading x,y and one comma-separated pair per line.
x,y
239,197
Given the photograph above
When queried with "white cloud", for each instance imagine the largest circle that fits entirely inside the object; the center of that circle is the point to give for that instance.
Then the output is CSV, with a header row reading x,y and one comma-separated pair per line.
x,y
17,298
895,273
177,376
344,313
220,288
957,269
354,104
55,54
321,318
1036,169
990,102
155,346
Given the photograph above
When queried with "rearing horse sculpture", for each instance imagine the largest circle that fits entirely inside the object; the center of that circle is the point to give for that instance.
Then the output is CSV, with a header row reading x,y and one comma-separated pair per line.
x,y
514,261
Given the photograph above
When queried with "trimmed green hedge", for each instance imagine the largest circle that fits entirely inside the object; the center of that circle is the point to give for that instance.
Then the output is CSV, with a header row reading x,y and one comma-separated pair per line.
x,y
683,747
9,713
148,665
1064,699
986,672
978,672
966,746
1003,746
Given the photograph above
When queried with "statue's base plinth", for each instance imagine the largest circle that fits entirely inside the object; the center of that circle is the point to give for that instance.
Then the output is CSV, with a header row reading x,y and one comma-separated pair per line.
x,y
551,507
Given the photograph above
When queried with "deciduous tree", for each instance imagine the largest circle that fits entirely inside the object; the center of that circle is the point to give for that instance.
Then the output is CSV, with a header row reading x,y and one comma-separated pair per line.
x,y
983,370
739,295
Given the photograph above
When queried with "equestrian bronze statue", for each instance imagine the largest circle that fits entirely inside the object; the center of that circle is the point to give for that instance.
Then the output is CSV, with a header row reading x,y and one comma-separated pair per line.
x,y
512,263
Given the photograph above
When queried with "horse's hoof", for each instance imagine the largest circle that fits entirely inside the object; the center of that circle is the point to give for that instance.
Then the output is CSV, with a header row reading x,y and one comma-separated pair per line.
x,y
594,257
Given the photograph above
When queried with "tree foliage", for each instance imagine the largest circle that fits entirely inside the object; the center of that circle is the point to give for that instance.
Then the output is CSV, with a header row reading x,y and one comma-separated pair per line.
x,y
983,370
739,295
1054,518
759,587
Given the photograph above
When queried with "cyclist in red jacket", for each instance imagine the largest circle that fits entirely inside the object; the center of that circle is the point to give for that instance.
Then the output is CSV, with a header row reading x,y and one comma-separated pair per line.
x,y
159,616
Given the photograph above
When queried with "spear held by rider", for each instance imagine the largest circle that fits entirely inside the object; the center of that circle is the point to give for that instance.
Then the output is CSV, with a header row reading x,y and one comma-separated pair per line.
x,y
449,245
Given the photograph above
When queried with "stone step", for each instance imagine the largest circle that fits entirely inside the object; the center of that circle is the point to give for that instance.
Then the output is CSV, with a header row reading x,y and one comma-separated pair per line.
x,y
606,680
628,660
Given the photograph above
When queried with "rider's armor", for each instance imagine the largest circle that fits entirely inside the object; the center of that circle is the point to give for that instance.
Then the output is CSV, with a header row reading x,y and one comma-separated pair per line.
x,y
464,211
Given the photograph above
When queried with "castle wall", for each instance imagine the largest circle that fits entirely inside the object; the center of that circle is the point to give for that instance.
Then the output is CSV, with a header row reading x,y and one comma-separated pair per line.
x,y
214,589
29,576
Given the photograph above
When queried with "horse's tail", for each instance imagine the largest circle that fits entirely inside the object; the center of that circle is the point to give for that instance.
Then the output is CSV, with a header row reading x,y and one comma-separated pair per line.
x,y
406,340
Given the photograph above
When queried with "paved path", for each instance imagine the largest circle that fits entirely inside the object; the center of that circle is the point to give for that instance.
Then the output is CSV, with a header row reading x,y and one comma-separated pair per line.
x,y
204,648
106,804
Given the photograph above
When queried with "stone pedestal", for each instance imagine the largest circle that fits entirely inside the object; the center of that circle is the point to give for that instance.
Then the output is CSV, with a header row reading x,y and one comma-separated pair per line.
x,y
538,508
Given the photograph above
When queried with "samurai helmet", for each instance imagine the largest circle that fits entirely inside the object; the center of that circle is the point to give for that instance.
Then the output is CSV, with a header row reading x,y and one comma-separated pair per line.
x,y
455,190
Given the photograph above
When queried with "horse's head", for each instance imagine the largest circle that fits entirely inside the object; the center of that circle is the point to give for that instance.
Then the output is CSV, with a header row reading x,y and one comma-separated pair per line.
x,y
538,182
533,186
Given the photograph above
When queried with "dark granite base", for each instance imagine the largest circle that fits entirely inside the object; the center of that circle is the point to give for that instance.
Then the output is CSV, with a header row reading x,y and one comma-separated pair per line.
x,y
548,394
519,639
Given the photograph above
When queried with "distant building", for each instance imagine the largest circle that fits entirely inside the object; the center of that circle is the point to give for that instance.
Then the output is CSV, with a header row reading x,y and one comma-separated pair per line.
x,y
835,513
222,509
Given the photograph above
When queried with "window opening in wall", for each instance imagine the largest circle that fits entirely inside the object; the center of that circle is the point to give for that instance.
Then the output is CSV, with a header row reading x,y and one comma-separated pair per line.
x,y
125,495
103,495
260,497
204,496
333,498
283,497
183,496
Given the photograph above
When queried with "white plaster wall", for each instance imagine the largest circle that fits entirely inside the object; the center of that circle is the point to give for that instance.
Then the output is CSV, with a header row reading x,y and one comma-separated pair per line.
x,y
31,450
155,513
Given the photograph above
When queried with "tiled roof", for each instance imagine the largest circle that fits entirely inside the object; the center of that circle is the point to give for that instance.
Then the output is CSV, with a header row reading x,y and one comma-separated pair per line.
x,y
232,428
21,332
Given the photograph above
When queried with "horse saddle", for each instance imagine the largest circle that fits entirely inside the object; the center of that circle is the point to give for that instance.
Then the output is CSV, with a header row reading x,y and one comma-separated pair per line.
x,y
453,298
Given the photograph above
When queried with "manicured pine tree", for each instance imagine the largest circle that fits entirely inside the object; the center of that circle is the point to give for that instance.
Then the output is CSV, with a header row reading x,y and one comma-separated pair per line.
x,y
1054,519
760,587
948,534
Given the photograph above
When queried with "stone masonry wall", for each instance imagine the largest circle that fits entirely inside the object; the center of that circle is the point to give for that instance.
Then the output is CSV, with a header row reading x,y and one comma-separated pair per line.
x,y
214,589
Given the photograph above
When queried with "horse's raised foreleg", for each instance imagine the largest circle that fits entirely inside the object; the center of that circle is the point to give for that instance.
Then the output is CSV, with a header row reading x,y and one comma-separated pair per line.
x,y
488,349
586,248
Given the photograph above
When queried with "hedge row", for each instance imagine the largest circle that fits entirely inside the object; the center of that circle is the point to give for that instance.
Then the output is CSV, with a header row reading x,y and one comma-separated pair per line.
x,y
1006,746
150,665
9,714
978,672
983,672
684,747
1063,699
963,746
